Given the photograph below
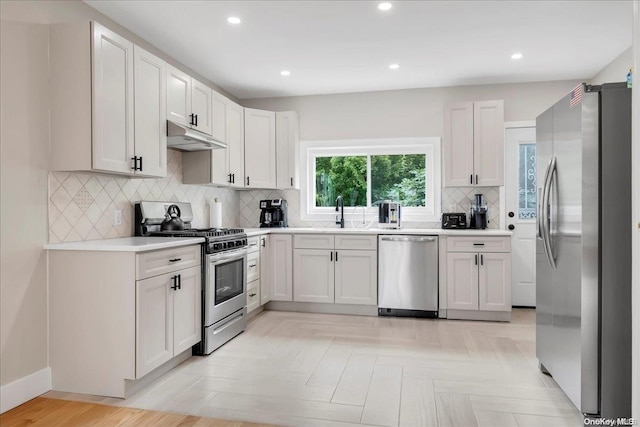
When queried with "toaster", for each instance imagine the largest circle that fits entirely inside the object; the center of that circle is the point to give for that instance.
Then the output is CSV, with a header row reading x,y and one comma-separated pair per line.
x,y
454,220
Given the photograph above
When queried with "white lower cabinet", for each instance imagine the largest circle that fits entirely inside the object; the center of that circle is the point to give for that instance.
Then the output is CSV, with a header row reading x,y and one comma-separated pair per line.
x,y
280,267
478,278
335,269
313,275
253,273
265,295
168,316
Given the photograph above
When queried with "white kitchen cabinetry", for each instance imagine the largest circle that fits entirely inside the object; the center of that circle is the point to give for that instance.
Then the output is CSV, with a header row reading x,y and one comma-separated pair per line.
x,y
478,276
253,273
287,149
223,167
280,267
188,101
474,144
106,103
125,313
339,269
260,148
150,105
167,317
265,296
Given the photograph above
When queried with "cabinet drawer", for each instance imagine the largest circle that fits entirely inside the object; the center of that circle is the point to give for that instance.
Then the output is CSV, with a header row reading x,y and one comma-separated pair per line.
x,y
253,266
253,295
357,241
479,244
253,244
313,241
155,263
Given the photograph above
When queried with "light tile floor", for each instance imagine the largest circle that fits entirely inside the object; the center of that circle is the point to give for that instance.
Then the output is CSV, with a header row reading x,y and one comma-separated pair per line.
x,y
300,369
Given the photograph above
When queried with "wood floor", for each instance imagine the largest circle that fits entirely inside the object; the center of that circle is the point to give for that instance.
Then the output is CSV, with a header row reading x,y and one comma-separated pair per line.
x,y
300,369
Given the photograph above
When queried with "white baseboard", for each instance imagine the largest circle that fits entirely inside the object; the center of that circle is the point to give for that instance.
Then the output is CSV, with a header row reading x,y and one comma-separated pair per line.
x,y
26,388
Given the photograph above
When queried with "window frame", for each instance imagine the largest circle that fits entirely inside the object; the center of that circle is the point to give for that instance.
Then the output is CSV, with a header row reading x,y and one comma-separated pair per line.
x,y
429,146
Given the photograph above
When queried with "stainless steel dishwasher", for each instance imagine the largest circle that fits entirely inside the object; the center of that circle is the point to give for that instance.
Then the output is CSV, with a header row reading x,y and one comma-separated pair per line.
x,y
408,276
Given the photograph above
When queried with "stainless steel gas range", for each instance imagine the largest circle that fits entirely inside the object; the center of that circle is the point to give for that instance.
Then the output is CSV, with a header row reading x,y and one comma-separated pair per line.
x,y
224,268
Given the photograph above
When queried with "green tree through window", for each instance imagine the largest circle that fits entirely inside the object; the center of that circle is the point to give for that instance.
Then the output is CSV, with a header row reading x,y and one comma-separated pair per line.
x,y
398,177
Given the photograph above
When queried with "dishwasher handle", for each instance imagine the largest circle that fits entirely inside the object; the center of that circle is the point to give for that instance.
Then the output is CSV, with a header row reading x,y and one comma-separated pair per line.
x,y
408,239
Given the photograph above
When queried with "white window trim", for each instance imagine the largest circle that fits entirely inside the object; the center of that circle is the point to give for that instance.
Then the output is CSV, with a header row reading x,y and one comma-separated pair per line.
x,y
312,149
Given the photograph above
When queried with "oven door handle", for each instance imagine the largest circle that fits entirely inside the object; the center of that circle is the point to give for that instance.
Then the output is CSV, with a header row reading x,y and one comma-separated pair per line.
x,y
226,256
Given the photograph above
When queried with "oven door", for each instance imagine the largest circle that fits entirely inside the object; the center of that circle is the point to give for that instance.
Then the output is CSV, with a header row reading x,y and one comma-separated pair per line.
x,y
226,285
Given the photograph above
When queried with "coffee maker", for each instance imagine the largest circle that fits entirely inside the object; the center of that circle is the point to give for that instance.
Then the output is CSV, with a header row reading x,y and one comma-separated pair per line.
x,y
273,213
478,213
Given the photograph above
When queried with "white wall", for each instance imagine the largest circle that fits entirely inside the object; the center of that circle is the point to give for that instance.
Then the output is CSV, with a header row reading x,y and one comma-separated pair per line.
x,y
617,70
406,113
24,146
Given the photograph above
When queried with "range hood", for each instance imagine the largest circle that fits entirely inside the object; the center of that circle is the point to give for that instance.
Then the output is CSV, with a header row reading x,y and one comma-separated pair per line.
x,y
182,138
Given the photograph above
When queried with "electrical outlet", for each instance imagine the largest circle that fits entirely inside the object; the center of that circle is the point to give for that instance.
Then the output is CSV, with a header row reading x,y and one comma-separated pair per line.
x,y
117,217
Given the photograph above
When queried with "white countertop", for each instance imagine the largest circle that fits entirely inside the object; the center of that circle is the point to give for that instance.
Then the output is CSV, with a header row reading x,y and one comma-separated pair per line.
x,y
375,231
125,244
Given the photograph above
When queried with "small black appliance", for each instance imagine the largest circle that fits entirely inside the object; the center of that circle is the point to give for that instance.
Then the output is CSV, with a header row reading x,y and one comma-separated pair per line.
x,y
273,213
478,213
454,220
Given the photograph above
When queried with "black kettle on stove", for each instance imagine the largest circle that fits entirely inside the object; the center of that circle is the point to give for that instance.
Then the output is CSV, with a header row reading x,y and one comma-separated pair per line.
x,y
172,220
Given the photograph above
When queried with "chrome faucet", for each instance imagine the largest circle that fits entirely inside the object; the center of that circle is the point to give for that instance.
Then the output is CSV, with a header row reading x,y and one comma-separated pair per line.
x,y
340,208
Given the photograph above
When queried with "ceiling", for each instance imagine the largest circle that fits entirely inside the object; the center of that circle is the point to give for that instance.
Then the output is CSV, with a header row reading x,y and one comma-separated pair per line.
x,y
347,46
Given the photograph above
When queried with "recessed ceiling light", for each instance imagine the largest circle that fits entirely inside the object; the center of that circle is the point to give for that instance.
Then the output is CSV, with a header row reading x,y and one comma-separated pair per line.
x,y
233,20
285,73
516,55
385,6
394,66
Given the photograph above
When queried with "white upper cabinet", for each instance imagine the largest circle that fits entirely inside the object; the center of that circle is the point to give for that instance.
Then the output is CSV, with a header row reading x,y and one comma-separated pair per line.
x,y
113,114
260,148
178,96
189,102
219,116
224,167
287,149
474,144
107,103
201,107
235,143
150,112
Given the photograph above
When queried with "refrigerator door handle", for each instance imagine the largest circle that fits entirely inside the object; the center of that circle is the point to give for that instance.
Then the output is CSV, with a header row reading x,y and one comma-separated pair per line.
x,y
546,216
540,213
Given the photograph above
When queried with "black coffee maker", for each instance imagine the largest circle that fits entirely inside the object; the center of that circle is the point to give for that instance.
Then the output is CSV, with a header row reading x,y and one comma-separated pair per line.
x,y
478,213
273,213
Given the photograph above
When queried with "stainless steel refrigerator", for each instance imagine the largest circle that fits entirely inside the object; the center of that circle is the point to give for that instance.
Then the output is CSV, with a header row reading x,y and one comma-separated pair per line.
x,y
583,259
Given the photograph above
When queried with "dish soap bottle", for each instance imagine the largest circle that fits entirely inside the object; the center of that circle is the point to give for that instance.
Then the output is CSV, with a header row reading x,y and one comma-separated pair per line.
x,y
629,78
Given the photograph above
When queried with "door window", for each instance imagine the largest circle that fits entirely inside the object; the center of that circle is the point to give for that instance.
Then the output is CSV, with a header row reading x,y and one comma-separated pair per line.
x,y
527,181
229,280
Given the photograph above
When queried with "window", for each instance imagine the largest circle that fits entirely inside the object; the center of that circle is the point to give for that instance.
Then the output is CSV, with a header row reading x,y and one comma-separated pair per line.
x,y
527,181
366,172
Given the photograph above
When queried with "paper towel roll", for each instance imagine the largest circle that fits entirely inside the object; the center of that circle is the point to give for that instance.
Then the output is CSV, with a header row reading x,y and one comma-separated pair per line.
x,y
215,214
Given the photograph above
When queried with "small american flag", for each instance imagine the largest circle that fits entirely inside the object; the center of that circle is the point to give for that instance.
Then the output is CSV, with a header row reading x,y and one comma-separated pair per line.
x,y
575,97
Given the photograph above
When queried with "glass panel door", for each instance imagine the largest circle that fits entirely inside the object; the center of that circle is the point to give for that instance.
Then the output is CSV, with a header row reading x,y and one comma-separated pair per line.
x,y
527,181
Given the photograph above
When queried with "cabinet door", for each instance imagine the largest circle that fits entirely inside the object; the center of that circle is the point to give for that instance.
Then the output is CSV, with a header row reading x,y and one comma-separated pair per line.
x,y
488,148
287,148
494,284
201,107
219,157
260,148
187,306
253,266
281,267
253,295
150,112
178,96
235,143
264,270
154,323
458,144
313,275
462,281
356,277
113,127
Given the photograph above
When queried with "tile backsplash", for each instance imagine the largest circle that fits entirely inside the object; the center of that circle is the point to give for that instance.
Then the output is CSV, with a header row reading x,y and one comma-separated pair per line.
x,y
82,205
453,200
